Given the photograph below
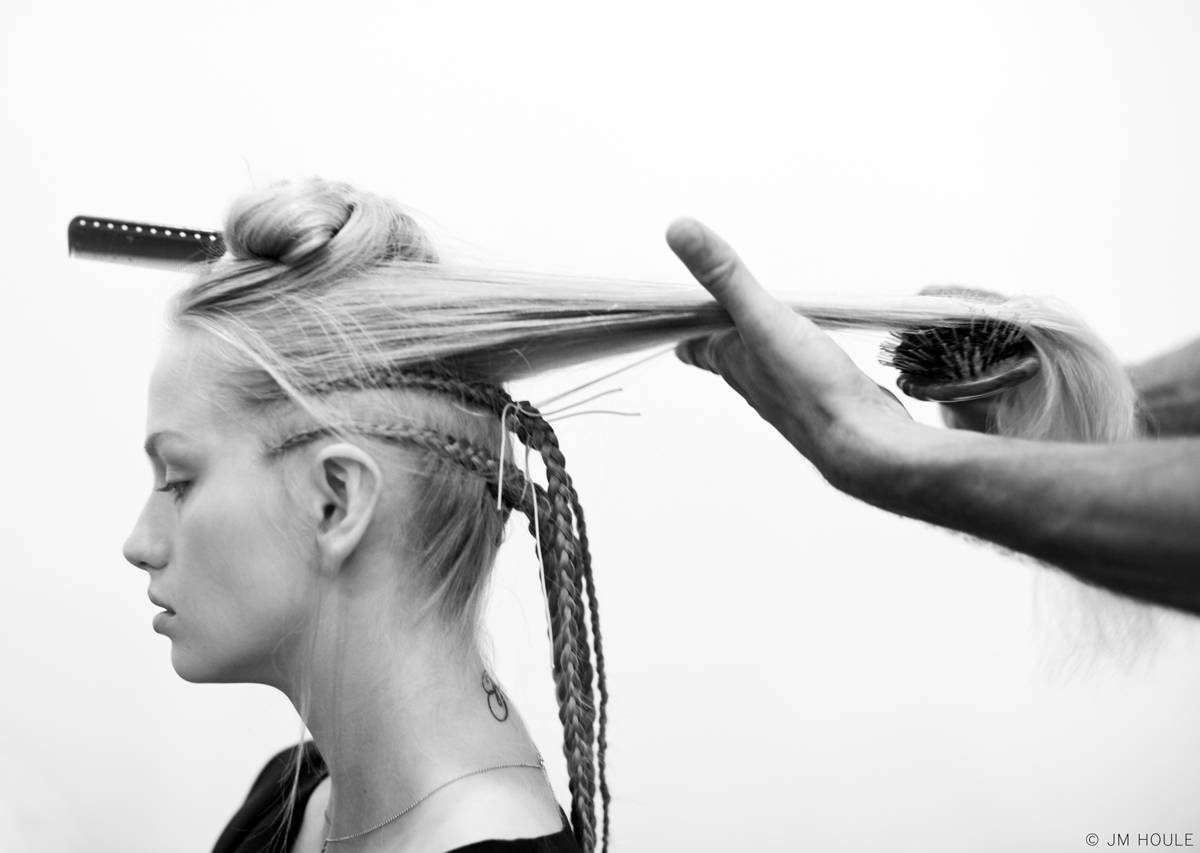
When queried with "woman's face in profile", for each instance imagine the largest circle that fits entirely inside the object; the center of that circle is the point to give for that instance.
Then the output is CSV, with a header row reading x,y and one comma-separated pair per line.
x,y
219,536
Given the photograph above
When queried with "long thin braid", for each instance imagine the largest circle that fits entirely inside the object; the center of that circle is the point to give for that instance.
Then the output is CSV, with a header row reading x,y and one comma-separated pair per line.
x,y
560,490
569,678
573,652
562,535
585,555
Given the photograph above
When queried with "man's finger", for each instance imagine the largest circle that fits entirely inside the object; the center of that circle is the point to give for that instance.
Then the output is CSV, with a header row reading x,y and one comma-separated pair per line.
x,y
707,351
691,352
716,266
720,353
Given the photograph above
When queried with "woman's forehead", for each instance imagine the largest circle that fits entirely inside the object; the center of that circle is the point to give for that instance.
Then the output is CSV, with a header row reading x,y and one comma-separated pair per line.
x,y
185,387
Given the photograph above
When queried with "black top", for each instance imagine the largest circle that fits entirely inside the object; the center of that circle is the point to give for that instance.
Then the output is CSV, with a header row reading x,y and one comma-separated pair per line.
x,y
259,827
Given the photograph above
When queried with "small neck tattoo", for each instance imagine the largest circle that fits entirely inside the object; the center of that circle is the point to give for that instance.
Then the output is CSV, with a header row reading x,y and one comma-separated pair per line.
x,y
497,704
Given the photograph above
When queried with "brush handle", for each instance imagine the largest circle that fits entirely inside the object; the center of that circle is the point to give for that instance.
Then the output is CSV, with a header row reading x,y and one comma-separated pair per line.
x,y
142,243
999,378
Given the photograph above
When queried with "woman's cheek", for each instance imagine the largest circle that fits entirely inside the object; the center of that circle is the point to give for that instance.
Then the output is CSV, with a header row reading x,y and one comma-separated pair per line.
x,y
241,557
216,545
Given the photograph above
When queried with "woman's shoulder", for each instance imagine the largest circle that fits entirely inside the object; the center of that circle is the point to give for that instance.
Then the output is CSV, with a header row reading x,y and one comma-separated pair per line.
x,y
269,820
265,824
560,842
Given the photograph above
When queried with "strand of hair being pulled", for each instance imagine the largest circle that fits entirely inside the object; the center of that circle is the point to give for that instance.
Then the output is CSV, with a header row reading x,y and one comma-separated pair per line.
x,y
501,325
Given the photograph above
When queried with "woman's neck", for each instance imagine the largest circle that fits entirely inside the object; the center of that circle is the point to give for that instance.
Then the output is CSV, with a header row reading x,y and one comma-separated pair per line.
x,y
399,714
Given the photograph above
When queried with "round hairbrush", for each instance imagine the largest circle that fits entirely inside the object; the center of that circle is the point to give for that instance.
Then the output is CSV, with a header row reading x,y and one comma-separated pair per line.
x,y
956,362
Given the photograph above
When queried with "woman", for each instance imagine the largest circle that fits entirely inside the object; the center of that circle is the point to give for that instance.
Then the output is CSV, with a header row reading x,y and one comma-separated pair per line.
x,y
326,512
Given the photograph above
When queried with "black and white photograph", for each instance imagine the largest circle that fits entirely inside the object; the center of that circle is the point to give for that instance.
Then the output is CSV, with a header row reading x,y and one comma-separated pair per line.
x,y
559,428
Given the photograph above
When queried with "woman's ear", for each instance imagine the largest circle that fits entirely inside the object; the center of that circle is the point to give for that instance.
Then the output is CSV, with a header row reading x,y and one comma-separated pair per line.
x,y
349,483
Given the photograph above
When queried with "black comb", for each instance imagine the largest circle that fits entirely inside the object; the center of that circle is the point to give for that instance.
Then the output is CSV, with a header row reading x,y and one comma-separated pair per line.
x,y
143,244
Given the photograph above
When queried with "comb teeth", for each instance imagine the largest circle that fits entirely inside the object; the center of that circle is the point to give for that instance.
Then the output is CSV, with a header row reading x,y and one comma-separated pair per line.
x,y
142,243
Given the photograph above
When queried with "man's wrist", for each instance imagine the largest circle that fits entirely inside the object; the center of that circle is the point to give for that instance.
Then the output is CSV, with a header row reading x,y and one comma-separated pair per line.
x,y
879,461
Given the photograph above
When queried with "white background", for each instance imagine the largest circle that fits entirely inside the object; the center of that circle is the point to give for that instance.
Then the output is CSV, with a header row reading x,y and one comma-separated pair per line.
x,y
789,669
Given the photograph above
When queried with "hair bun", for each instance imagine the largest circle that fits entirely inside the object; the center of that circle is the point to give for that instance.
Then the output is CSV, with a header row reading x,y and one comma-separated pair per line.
x,y
318,222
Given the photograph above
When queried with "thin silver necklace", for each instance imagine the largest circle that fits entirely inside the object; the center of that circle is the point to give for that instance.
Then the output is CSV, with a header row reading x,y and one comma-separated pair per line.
x,y
541,765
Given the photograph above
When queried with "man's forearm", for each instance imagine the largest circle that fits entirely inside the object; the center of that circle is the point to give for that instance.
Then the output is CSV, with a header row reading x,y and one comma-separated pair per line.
x,y
1126,517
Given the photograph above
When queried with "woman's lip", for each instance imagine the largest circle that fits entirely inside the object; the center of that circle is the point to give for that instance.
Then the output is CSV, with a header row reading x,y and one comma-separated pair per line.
x,y
161,620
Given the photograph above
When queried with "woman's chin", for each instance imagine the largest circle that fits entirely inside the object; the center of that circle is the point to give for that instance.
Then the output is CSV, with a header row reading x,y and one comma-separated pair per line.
x,y
205,669
193,668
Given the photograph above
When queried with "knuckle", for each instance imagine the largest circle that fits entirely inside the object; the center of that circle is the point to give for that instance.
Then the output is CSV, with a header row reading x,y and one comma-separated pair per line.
x,y
717,269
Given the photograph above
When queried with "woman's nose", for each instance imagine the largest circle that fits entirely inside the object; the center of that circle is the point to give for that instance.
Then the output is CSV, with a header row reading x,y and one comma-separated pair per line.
x,y
146,547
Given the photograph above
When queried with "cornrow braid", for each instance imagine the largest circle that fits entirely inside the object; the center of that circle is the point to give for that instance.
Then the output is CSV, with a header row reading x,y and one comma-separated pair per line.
x,y
556,521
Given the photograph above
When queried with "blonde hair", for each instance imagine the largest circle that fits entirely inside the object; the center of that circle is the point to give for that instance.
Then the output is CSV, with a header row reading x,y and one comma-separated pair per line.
x,y
340,311
327,256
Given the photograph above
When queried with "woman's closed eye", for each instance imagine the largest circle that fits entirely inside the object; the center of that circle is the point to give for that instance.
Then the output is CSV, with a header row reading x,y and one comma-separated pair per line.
x,y
178,487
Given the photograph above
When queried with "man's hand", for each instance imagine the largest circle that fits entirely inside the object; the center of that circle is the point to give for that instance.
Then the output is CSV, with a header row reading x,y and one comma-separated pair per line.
x,y
791,372
1123,516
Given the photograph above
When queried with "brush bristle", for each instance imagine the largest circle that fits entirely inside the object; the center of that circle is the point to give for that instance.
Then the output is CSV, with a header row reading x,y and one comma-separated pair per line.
x,y
954,352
